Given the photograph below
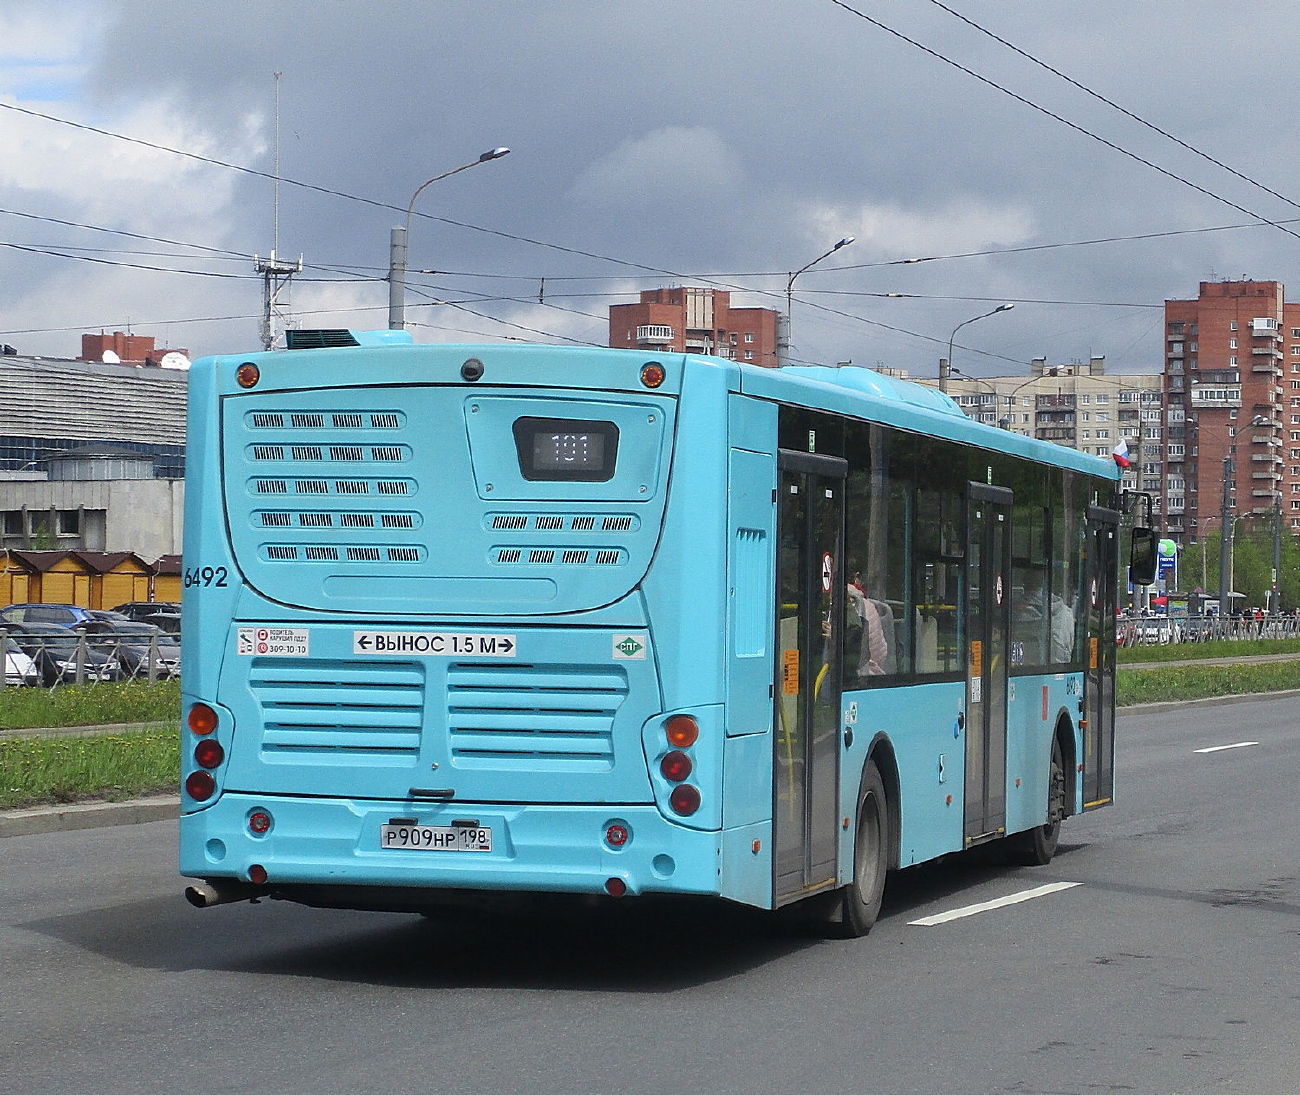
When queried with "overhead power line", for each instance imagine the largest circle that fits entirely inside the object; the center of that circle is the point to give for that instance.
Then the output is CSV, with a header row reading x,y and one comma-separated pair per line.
x,y
1059,118
1115,106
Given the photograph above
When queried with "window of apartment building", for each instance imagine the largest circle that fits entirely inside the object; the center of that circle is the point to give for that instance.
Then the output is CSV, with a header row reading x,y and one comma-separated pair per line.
x,y
1232,359
1150,396
1150,416
1103,435
1177,483
1128,397
1151,484
1175,328
1087,435
749,355
1295,435
1191,347
1295,332
1232,325
1153,433
1103,416
749,336
1295,454
1175,450
1085,399
1103,399
1232,342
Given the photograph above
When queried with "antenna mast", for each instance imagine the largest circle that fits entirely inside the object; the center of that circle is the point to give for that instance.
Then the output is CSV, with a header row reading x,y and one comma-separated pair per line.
x,y
276,273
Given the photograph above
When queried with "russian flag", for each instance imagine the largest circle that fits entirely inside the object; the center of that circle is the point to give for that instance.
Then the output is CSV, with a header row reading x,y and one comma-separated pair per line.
x,y
1120,453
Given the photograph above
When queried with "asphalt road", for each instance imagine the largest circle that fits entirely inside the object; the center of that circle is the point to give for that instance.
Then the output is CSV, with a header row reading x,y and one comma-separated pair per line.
x,y
1171,968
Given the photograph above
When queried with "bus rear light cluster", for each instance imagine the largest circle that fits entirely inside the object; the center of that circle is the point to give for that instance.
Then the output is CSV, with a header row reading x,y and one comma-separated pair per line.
x,y
208,754
676,765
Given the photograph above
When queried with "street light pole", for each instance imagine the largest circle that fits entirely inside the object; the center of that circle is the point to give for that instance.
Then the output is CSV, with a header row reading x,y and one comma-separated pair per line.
x,y
397,243
945,366
1225,527
1275,605
783,345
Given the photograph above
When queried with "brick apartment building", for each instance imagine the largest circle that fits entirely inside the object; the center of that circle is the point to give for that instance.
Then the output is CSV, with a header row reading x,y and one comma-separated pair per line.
x,y
689,320
1232,388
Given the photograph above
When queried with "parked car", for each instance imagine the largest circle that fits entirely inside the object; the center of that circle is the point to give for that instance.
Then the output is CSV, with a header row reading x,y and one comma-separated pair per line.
x,y
133,645
164,614
19,668
58,651
63,615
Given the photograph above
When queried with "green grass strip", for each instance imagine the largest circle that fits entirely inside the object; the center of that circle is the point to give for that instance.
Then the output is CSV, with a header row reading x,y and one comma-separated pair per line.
x,y
75,767
1194,682
90,704
1220,648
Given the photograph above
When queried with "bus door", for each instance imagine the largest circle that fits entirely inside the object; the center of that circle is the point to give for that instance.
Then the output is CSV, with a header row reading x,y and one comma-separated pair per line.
x,y
988,627
809,625
1100,568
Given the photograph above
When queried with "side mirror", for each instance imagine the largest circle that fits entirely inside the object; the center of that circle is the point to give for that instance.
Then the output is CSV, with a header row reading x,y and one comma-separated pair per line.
x,y
1142,557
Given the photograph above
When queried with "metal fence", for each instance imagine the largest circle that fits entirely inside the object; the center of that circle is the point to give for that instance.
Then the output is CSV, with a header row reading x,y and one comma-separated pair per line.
x,y
1156,630
78,658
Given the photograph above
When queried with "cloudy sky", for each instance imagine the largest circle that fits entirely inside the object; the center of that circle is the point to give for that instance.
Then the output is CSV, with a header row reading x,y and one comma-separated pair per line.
x,y
1084,161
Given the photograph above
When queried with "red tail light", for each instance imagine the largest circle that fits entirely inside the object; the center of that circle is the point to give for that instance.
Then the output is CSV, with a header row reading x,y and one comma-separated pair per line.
x,y
675,766
208,753
685,799
259,822
200,786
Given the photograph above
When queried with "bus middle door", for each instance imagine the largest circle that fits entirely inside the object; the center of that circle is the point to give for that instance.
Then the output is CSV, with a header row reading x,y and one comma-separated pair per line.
x,y
988,607
810,621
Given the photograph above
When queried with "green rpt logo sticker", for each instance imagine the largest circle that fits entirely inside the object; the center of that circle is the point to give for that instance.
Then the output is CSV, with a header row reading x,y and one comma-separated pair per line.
x,y
629,648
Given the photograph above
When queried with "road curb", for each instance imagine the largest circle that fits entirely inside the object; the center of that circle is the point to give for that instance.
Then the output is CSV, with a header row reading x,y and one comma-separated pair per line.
x,y
87,815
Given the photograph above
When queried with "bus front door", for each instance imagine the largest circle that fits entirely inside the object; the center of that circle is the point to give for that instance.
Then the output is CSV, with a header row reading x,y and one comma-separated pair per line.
x,y
1099,575
810,610
988,621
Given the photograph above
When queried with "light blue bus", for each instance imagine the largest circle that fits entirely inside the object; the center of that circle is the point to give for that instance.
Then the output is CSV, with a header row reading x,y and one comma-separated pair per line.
x,y
465,622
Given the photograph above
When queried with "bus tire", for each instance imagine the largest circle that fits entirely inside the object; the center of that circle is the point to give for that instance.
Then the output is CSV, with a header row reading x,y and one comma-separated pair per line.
x,y
1035,847
861,898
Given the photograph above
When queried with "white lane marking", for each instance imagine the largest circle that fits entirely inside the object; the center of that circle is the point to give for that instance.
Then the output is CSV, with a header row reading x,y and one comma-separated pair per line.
x,y
1221,748
997,903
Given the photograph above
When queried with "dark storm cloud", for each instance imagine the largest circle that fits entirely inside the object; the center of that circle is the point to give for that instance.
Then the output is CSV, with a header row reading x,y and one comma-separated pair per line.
x,y
734,138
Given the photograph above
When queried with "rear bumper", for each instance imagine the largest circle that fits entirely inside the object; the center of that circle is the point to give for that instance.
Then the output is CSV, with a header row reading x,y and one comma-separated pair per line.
x,y
555,849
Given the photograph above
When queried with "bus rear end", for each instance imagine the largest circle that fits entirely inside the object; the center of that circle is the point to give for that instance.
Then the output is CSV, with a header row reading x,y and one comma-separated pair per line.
x,y
423,657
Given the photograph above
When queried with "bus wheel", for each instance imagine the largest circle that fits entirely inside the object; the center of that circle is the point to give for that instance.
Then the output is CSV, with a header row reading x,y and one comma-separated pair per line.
x,y
861,898
1036,847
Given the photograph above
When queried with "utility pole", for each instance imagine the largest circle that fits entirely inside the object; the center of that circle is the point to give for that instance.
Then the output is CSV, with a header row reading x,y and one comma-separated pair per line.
x,y
276,273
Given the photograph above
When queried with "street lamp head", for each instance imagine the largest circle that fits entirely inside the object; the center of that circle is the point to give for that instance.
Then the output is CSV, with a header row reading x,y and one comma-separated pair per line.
x,y
843,243
494,154
1003,308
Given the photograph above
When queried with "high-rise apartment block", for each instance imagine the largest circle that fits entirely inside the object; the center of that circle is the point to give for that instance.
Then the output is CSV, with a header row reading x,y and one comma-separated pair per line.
x,y
1232,385
1076,405
689,320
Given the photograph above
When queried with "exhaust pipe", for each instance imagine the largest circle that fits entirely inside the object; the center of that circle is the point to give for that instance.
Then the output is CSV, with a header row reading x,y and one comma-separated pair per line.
x,y
203,895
